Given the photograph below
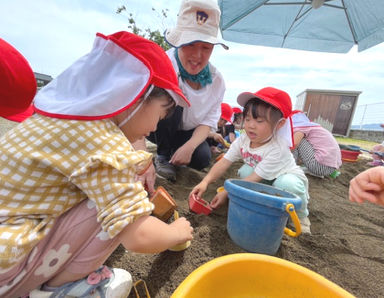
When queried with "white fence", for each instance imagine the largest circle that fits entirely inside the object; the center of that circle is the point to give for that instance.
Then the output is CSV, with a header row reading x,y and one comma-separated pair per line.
x,y
369,116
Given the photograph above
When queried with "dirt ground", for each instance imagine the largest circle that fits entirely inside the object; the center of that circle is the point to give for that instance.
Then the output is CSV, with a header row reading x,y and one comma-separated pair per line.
x,y
346,245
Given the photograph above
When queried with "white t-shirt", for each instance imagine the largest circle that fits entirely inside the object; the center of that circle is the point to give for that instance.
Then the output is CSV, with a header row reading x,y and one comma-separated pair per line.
x,y
205,106
269,161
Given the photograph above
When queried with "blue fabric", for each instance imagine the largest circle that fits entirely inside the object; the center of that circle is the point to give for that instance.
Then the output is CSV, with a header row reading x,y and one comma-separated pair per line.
x,y
204,77
82,288
325,29
287,182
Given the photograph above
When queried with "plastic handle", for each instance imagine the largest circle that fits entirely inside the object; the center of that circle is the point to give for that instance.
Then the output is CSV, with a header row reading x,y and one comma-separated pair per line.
x,y
145,288
292,213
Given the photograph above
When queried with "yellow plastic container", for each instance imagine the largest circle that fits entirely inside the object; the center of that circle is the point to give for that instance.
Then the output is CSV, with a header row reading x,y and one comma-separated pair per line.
x,y
255,275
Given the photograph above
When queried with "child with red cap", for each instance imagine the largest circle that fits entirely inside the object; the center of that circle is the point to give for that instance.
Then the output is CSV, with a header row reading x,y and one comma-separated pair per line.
x,y
265,150
17,88
223,130
68,188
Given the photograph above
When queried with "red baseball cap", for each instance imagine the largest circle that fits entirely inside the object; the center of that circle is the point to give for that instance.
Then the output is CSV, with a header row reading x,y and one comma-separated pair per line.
x,y
280,100
275,97
226,112
236,110
18,84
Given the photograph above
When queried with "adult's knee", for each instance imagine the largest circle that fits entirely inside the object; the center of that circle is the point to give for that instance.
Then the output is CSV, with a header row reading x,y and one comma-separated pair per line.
x,y
201,158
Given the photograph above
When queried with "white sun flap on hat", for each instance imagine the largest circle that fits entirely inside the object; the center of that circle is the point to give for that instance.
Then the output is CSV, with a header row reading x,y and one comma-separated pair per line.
x,y
285,132
99,85
299,119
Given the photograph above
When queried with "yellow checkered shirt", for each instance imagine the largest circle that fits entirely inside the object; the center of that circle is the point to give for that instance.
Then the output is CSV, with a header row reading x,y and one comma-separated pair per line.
x,y
49,165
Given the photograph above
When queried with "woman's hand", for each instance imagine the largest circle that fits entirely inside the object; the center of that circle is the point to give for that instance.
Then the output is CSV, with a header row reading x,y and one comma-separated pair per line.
x,y
219,139
148,179
183,155
220,199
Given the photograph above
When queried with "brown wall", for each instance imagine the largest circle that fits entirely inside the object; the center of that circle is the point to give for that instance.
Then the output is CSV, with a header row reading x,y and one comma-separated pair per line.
x,y
333,111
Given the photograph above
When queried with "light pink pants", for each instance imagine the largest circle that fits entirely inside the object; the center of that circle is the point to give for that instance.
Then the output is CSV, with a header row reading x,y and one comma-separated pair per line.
x,y
76,244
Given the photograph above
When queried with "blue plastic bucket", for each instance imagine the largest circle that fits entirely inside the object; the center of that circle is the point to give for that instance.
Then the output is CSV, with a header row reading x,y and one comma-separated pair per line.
x,y
257,215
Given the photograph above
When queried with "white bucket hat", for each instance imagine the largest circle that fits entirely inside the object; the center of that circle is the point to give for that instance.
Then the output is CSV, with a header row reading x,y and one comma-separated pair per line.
x,y
198,20
109,79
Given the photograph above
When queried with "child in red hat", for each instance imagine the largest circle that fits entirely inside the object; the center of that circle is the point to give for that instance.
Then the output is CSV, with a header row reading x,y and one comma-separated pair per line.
x,y
224,130
68,173
265,150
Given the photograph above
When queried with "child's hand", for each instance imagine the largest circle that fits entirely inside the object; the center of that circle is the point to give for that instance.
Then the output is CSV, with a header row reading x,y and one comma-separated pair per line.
x,y
219,138
148,179
183,230
368,186
220,199
199,189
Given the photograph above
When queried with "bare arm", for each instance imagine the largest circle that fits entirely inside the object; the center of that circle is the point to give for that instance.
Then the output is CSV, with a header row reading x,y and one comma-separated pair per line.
x,y
214,173
297,137
183,155
222,197
150,235
148,178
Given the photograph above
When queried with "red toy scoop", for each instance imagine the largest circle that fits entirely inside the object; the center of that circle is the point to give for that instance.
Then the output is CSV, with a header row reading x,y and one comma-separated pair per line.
x,y
198,205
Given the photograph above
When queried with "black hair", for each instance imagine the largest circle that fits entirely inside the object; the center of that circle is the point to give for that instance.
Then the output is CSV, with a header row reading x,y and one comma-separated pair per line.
x,y
259,108
159,92
237,116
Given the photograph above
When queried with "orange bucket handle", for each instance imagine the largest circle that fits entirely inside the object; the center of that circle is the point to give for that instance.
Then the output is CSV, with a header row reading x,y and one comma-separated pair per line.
x,y
135,285
290,208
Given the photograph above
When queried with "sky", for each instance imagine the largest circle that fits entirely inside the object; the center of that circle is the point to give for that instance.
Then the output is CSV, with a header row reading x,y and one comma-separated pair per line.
x,y
52,34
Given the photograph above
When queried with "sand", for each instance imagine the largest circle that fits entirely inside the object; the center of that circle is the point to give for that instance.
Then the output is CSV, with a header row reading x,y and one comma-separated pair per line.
x,y
346,245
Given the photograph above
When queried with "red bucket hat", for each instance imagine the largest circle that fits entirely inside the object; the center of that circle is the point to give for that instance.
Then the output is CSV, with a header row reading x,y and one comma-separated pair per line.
x,y
280,100
236,110
109,80
226,112
18,84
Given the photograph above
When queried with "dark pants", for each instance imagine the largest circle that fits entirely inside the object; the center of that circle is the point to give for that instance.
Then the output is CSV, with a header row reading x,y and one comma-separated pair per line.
x,y
169,138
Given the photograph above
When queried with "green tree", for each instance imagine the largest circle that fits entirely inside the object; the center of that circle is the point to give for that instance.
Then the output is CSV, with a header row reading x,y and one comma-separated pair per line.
x,y
148,33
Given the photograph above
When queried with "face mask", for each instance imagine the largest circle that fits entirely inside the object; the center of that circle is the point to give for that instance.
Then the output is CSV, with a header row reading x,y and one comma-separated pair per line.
x,y
137,108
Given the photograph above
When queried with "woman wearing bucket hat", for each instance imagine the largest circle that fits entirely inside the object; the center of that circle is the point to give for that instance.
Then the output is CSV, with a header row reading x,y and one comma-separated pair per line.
x,y
17,88
265,150
67,174
181,140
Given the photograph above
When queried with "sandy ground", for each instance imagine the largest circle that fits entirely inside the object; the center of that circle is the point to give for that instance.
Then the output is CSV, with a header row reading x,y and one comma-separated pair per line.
x,y
346,245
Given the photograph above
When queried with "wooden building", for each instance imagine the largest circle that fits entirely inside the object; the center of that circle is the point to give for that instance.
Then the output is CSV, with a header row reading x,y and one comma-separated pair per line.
x,y
332,109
